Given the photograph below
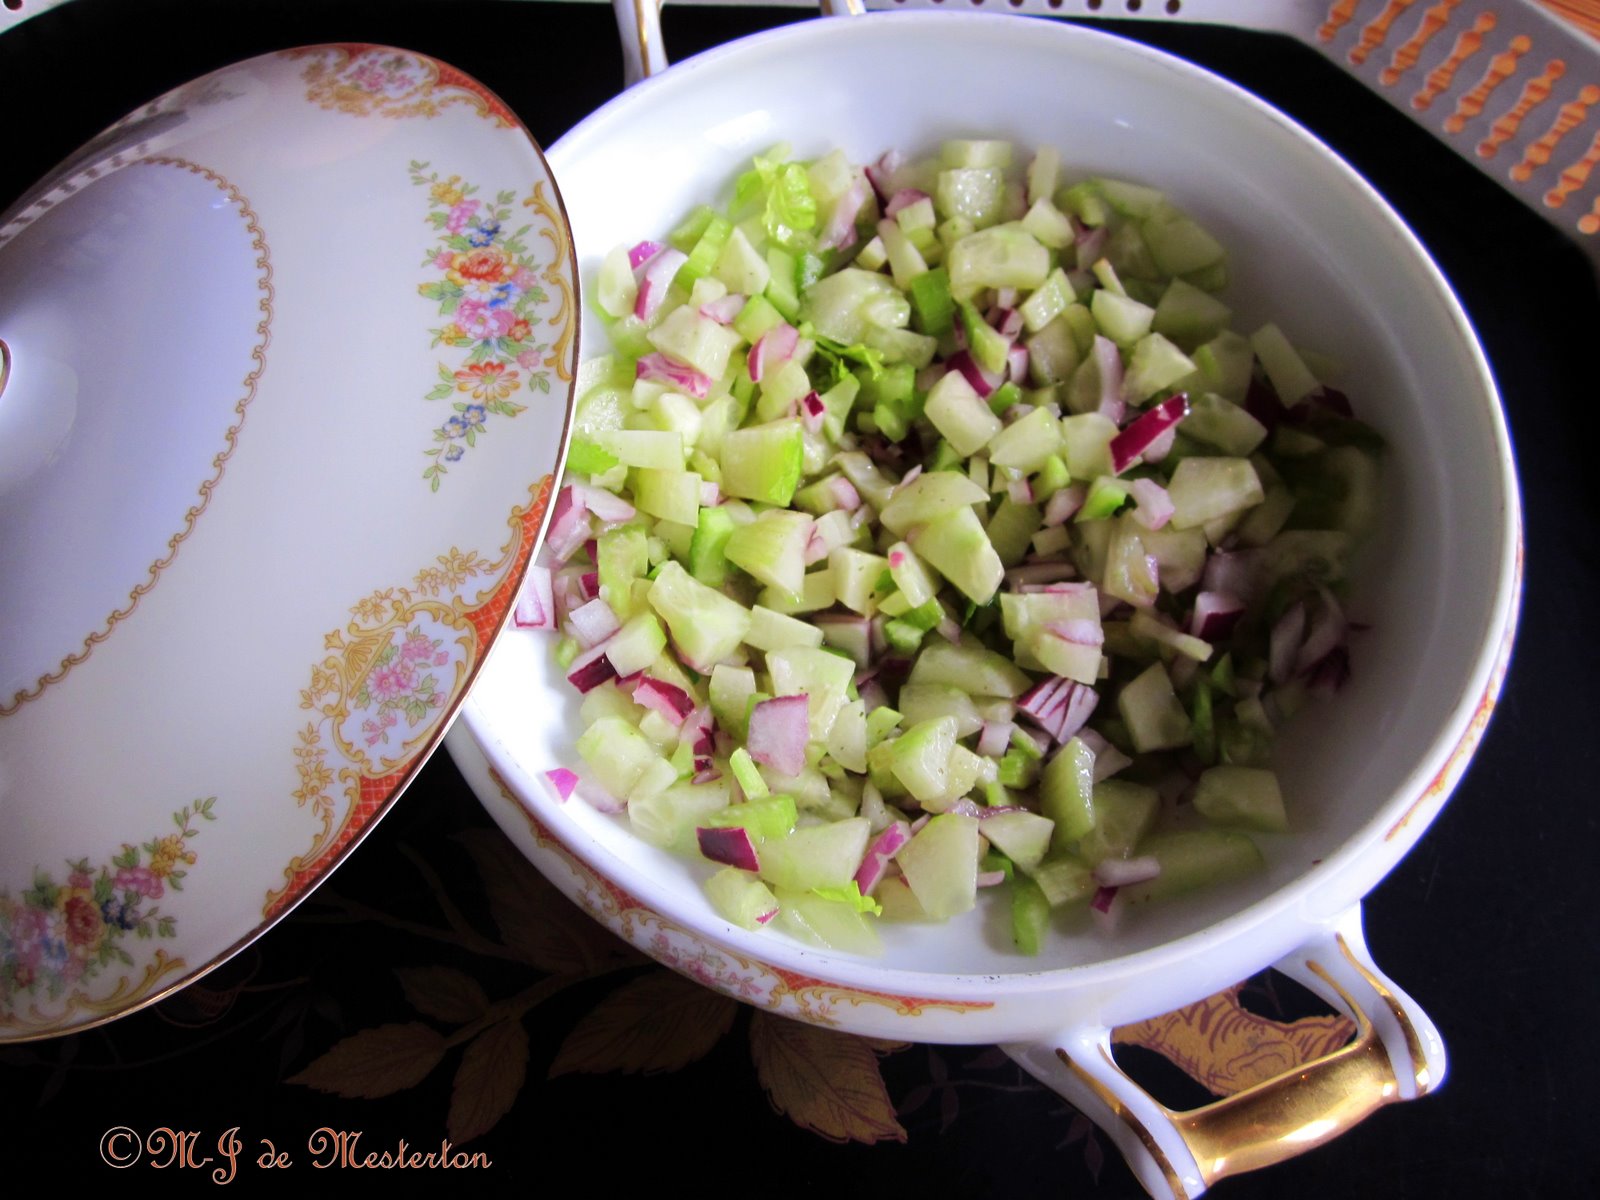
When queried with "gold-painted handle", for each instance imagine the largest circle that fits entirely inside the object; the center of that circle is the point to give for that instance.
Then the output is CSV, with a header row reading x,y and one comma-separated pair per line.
x,y
639,27
1396,1055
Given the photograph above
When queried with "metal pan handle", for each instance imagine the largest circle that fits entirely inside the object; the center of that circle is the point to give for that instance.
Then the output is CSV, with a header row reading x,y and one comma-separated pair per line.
x,y
639,27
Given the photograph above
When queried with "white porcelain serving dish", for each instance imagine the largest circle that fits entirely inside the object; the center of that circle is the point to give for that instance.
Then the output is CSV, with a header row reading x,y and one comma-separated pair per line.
x,y
288,356
1312,247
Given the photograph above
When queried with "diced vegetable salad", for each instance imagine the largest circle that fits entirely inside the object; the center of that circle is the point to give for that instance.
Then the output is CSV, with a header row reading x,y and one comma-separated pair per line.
x,y
930,531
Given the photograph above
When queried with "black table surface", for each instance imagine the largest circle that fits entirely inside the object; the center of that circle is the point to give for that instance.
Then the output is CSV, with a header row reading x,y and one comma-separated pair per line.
x,y
563,1049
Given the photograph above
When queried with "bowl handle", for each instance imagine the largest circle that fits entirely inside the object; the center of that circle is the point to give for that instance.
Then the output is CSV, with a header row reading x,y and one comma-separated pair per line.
x,y
639,27
1396,1055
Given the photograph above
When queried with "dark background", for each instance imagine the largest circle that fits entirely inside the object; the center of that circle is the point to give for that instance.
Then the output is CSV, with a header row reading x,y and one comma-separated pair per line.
x,y
1489,923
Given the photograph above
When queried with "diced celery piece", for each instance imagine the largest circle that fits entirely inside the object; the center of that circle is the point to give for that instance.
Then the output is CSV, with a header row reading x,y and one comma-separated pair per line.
x,y
843,306
740,898
1124,813
1066,793
670,495
1247,797
1121,318
764,817
772,548
1022,836
827,924
1290,376
1156,365
1155,717
654,448
706,626
814,856
960,415
1026,444
1005,256
668,818
688,337
821,675
941,865
1188,315
1063,880
971,667
931,302
929,495
1222,423
741,267
1195,858
1202,489
763,462
616,754
956,545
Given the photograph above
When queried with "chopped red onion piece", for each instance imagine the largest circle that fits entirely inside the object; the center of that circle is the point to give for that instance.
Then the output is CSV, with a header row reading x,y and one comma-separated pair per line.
x,y
1091,244
661,369
779,731
608,507
844,493
910,475
949,630
1109,761
841,227
881,173
1106,909
589,582
1080,631
1327,633
705,774
590,669
656,279
1020,491
536,602
724,309
729,845
817,547
671,701
1119,872
1161,447
875,862
593,623
773,347
916,826
1059,706
562,780
600,800
1017,363
568,593
991,878
1285,643
983,382
643,253
1132,442
995,739
1108,364
569,527
812,410
1064,504
903,198
1155,506
710,494
1215,615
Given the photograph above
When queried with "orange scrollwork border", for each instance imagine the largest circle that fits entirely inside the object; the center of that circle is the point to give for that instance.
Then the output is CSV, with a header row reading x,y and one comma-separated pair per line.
x,y
445,86
364,795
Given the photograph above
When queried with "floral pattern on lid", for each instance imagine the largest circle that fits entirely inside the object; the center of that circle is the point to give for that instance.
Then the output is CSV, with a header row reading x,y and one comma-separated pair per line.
x,y
58,939
492,292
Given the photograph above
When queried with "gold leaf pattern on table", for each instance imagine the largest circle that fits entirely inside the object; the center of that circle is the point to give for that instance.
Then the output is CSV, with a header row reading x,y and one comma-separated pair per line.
x,y
376,1062
491,1075
1226,1048
535,920
823,1081
443,993
658,1022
